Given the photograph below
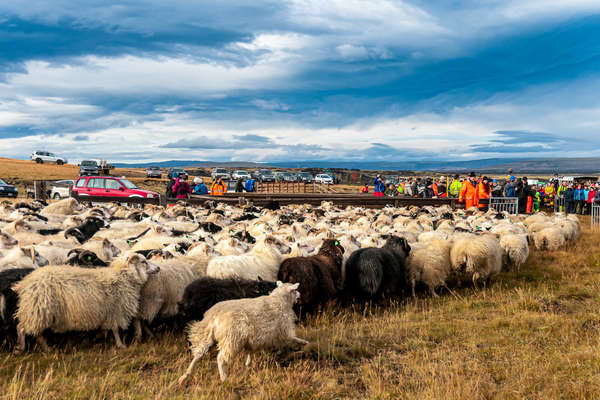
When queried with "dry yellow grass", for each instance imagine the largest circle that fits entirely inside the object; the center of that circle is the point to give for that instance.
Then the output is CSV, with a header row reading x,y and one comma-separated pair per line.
x,y
534,335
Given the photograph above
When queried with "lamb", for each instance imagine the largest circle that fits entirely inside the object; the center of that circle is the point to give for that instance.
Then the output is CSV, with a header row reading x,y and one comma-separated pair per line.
x,y
516,249
162,292
374,272
476,257
22,257
80,299
203,293
245,325
430,265
261,262
319,275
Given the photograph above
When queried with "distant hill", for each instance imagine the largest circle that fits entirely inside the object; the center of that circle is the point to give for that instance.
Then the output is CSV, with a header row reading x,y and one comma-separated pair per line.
x,y
589,165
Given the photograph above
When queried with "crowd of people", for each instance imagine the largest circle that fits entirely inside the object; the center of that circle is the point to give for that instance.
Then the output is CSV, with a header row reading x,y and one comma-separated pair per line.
x,y
572,197
179,188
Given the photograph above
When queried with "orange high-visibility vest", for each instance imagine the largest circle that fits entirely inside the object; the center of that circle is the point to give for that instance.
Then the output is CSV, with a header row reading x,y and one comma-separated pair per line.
x,y
481,193
217,189
468,194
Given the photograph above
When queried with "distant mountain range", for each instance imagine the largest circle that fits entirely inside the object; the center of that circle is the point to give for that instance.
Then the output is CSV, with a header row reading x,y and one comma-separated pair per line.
x,y
589,165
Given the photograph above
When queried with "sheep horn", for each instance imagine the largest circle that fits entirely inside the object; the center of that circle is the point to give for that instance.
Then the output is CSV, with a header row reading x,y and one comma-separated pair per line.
x,y
32,251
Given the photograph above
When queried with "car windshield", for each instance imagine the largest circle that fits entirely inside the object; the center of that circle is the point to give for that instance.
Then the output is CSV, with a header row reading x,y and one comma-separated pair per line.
x,y
153,168
304,174
2,182
221,171
128,184
89,164
242,173
265,172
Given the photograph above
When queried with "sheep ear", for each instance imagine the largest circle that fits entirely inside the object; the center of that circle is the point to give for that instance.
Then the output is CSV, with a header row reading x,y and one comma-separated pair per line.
x,y
279,283
293,287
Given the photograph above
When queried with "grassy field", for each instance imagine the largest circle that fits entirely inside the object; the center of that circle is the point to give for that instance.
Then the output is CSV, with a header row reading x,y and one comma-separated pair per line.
x,y
532,335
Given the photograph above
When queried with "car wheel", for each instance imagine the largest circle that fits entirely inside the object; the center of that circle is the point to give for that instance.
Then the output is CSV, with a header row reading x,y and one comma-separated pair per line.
x,y
56,196
59,162
38,160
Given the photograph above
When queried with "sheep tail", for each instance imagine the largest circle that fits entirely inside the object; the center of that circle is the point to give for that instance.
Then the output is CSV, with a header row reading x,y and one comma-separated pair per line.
x,y
201,335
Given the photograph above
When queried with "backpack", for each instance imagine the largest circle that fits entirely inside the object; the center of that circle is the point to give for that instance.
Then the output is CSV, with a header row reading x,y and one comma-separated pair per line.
x,y
249,185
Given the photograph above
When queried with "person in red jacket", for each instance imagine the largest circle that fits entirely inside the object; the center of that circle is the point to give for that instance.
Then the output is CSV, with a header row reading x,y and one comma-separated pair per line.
x,y
182,188
468,192
590,198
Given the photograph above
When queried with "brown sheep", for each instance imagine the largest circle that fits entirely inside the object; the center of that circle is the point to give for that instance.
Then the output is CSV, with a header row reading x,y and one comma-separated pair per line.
x,y
320,276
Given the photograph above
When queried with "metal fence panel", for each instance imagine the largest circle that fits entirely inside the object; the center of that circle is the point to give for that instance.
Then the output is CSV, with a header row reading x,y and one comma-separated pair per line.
x,y
595,216
508,204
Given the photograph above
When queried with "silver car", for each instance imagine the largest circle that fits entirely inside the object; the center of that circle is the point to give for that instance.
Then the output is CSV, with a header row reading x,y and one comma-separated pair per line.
x,y
41,157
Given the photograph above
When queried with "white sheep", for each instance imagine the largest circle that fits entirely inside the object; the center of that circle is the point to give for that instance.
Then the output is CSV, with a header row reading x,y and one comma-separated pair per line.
x,y
66,299
515,248
551,238
162,292
22,257
476,257
262,261
245,325
67,206
430,265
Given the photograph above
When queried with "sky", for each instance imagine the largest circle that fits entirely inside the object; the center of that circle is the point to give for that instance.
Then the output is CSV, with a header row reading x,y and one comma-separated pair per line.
x,y
292,80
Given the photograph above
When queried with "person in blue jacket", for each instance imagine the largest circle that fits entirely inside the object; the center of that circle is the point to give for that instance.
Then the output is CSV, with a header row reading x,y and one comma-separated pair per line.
x,y
579,199
199,187
379,186
250,186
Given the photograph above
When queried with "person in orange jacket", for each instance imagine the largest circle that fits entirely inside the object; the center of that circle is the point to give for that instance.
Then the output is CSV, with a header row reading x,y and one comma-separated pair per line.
x,y
218,188
468,192
483,190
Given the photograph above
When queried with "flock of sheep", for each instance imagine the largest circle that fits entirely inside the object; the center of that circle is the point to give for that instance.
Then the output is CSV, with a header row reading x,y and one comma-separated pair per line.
x,y
219,269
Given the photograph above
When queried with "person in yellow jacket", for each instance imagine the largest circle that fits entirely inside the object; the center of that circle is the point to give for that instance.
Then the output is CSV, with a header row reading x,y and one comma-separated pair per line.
x,y
559,191
454,188
468,192
218,188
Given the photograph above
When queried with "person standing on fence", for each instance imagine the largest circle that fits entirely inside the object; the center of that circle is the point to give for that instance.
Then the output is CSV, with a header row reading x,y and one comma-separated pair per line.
x,y
483,190
468,192
455,186
218,188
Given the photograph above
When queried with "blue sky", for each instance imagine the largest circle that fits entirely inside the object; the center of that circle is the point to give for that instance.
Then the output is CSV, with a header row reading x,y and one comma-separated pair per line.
x,y
300,80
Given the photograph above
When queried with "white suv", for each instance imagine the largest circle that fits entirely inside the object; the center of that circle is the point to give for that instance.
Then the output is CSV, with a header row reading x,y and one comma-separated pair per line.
x,y
322,178
240,174
44,156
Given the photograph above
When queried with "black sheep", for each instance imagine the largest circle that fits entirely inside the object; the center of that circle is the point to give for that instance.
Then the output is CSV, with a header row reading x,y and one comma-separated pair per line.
x,y
210,227
244,236
8,325
320,276
84,258
87,229
204,293
373,272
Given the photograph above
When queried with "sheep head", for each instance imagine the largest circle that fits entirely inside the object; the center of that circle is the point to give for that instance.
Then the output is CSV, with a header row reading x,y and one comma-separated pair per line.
x,y
7,241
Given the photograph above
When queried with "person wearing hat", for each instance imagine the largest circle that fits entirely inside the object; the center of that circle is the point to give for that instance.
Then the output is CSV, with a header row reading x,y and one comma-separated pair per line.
x,y
483,190
182,189
455,186
468,192
199,187
509,188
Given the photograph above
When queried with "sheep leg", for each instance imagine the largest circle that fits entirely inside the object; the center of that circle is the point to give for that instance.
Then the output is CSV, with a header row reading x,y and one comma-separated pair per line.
x,y
432,291
183,378
43,344
248,360
118,341
20,347
148,331
223,360
412,284
475,278
137,326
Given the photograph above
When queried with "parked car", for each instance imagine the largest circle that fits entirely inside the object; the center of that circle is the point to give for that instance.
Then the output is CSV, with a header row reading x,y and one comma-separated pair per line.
x,y
8,190
324,178
240,174
60,189
305,177
153,172
282,176
264,175
88,167
109,186
174,172
220,173
47,157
